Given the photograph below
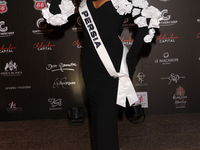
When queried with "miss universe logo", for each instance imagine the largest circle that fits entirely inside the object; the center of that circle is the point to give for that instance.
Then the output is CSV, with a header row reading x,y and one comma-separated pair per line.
x,y
3,7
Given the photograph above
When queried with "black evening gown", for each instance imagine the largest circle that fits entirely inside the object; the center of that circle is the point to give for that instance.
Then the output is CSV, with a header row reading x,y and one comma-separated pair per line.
x,y
101,87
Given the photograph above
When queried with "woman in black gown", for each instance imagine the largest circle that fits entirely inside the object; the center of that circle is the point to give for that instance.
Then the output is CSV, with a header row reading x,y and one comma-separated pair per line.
x,y
101,87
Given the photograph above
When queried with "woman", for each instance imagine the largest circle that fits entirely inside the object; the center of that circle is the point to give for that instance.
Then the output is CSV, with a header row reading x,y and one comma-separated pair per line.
x,y
103,57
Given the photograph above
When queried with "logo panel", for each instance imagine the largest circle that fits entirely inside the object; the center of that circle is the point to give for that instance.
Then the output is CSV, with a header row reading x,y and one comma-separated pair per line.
x,y
3,7
39,4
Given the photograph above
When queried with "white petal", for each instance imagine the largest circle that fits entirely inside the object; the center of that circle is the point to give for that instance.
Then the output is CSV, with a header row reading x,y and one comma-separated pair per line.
x,y
148,38
122,6
152,32
140,3
141,22
154,23
136,12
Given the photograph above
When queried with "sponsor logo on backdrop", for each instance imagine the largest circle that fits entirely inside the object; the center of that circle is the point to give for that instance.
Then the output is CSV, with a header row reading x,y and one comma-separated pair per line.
x,y
3,7
39,4
163,38
61,67
167,19
55,103
164,0
63,83
42,26
128,23
142,99
78,43
173,78
7,49
24,87
141,77
180,97
127,41
198,35
10,69
77,27
13,108
43,47
4,29
198,20
166,60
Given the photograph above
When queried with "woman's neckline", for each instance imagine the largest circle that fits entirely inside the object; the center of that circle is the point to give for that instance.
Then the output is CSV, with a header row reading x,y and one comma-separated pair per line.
x,y
100,5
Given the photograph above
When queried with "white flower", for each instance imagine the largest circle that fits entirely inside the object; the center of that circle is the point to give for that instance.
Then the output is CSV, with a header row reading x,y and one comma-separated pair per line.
x,y
117,3
151,12
141,22
140,3
148,38
152,32
122,6
136,12
67,7
46,13
154,23
57,20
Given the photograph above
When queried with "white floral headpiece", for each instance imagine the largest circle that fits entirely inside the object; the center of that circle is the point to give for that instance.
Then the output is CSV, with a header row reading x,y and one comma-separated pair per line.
x,y
67,9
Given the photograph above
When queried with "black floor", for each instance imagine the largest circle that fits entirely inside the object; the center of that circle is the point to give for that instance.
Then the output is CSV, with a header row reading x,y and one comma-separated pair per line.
x,y
165,132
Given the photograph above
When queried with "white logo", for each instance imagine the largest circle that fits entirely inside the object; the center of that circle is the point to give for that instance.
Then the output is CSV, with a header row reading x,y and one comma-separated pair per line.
x,y
18,87
55,104
11,66
166,60
198,20
166,55
11,70
166,19
13,108
61,67
174,78
3,29
141,77
42,25
62,83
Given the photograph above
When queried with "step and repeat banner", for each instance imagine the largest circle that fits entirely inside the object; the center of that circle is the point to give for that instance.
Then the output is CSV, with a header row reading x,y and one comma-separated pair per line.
x,y
40,72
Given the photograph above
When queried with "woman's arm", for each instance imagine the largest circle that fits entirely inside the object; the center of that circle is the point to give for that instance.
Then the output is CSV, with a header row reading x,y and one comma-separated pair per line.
x,y
135,48
147,18
54,7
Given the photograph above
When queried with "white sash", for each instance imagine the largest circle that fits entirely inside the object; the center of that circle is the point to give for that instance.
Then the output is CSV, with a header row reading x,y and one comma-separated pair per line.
x,y
125,86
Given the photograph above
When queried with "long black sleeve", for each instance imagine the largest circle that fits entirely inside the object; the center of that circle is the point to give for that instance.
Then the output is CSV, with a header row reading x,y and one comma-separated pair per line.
x,y
135,48
54,8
